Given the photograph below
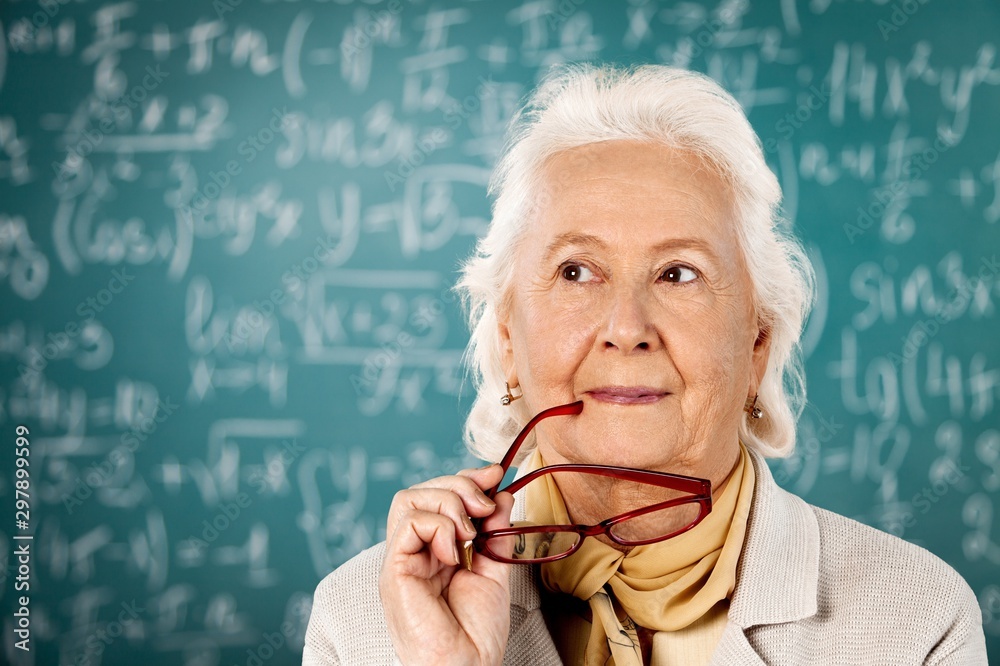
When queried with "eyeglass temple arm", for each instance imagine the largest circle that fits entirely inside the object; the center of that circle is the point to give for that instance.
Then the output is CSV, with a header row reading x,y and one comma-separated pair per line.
x,y
686,484
560,410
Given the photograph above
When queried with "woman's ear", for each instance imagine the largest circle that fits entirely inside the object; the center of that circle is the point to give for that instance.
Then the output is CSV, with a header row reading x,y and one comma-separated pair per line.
x,y
761,352
506,347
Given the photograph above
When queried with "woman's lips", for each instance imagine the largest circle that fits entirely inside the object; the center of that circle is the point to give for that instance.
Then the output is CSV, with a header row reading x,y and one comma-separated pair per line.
x,y
627,395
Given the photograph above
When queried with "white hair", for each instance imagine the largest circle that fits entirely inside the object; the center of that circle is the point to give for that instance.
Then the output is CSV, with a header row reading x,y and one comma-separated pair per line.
x,y
580,104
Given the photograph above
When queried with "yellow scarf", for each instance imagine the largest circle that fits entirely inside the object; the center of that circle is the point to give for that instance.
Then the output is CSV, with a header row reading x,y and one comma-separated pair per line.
x,y
665,586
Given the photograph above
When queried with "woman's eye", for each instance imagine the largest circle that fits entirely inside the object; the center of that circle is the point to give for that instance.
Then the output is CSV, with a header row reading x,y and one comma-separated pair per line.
x,y
679,274
576,273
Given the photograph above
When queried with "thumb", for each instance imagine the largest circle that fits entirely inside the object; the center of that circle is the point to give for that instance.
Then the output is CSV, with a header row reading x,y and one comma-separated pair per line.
x,y
484,477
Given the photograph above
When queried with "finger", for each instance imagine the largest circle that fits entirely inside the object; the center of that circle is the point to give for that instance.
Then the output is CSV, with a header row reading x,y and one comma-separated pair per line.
x,y
485,477
473,500
419,531
483,565
469,484
434,500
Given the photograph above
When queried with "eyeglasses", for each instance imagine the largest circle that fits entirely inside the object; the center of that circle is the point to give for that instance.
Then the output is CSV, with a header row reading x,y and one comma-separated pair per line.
x,y
546,543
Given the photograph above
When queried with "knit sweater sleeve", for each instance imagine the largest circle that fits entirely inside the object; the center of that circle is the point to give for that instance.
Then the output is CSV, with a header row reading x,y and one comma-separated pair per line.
x,y
964,641
347,625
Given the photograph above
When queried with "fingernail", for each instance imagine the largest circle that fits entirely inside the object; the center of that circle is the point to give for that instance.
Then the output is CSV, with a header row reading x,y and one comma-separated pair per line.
x,y
458,558
468,524
484,500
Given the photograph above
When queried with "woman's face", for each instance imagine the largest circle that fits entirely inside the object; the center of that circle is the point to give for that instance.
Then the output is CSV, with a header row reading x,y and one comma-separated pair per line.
x,y
631,295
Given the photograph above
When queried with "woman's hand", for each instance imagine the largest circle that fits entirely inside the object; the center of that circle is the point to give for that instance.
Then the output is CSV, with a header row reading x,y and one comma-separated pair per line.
x,y
437,611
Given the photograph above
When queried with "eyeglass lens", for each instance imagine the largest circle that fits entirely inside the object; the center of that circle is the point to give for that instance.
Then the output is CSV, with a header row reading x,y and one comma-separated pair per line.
x,y
542,544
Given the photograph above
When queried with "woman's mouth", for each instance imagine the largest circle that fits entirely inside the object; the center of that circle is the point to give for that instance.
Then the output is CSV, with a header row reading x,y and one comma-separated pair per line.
x,y
627,395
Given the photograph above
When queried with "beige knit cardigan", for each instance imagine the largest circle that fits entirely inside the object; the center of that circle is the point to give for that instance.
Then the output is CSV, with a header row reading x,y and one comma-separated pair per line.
x,y
812,587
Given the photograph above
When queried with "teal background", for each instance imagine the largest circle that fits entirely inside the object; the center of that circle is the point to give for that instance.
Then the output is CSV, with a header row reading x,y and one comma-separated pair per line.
x,y
220,386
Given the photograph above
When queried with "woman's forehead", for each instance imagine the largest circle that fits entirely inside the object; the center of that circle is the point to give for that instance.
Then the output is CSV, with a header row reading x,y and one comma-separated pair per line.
x,y
633,192
607,157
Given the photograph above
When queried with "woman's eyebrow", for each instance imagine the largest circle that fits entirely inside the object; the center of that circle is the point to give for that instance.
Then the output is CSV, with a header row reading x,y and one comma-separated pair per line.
x,y
696,244
575,238
571,238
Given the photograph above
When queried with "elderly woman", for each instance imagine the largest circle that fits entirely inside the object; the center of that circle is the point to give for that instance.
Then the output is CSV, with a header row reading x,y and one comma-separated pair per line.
x,y
637,291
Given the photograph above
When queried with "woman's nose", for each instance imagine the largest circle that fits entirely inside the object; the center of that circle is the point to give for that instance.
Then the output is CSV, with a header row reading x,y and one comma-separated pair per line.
x,y
629,325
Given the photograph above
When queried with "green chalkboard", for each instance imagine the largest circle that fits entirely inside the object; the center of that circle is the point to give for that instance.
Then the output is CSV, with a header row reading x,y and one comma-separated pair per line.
x,y
228,232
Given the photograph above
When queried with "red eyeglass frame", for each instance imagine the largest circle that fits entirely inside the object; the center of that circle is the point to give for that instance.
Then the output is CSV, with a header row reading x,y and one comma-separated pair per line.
x,y
700,492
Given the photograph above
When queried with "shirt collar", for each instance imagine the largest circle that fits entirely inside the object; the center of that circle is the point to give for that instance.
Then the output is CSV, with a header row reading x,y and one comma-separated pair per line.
x,y
778,573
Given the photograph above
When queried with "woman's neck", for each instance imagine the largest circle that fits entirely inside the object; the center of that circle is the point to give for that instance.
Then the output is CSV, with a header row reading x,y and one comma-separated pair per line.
x,y
590,499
